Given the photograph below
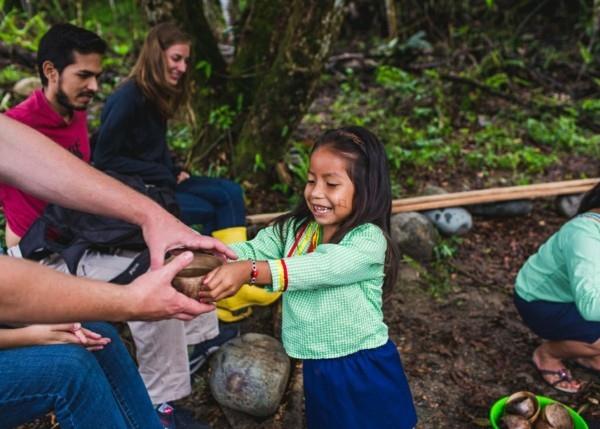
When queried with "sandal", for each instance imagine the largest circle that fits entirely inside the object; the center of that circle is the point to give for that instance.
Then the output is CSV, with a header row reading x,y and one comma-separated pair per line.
x,y
563,374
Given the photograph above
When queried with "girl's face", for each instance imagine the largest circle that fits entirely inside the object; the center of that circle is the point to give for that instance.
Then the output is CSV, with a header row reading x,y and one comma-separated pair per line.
x,y
329,192
177,58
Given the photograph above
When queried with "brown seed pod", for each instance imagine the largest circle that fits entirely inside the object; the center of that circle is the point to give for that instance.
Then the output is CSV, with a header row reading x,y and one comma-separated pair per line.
x,y
512,421
189,280
556,416
523,404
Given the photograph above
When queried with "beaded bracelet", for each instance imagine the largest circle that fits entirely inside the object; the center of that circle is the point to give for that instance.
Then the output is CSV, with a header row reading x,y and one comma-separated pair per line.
x,y
253,272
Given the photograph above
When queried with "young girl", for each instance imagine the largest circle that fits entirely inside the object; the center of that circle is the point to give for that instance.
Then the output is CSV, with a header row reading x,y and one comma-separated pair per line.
x,y
331,257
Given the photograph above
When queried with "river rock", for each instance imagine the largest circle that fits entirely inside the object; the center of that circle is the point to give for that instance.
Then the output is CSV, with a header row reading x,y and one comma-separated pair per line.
x,y
250,374
414,234
449,221
567,205
26,86
504,209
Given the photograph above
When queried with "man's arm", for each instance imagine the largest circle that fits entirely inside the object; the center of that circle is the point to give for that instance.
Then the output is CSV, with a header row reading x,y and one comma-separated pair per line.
x,y
33,293
31,162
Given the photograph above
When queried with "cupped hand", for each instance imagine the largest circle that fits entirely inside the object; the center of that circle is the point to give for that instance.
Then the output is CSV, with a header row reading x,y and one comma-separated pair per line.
x,y
163,232
155,298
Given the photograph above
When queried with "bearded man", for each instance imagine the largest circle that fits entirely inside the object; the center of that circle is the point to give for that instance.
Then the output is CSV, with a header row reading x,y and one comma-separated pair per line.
x,y
69,62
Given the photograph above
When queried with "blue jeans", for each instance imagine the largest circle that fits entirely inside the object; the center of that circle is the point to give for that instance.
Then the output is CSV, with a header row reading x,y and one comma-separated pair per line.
x,y
215,203
84,389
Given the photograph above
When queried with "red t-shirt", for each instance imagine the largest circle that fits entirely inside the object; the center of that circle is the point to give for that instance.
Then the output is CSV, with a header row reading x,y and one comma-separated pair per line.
x,y
21,209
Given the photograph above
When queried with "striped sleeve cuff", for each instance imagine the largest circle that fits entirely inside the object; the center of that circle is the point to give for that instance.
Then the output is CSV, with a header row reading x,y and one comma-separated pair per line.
x,y
279,275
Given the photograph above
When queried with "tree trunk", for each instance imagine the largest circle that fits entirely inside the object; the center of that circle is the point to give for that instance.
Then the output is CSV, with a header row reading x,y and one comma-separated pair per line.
x,y
286,90
281,46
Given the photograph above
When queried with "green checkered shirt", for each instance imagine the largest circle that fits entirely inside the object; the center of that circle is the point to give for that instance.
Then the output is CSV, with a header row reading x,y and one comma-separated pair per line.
x,y
332,304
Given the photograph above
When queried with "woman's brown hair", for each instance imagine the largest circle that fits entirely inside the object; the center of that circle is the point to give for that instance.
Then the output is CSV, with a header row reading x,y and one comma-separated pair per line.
x,y
150,69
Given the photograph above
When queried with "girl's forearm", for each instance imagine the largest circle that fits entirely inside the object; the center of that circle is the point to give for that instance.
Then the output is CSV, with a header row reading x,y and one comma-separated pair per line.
x,y
263,273
17,337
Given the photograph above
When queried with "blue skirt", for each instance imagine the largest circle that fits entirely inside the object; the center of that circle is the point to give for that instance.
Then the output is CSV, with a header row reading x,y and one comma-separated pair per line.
x,y
367,389
557,321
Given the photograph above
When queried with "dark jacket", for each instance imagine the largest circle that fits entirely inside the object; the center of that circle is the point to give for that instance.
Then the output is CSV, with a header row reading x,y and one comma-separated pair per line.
x,y
132,138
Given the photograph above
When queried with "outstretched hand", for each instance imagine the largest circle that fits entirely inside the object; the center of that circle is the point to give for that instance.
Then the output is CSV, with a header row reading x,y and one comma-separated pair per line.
x,y
225,281
163,232
156,299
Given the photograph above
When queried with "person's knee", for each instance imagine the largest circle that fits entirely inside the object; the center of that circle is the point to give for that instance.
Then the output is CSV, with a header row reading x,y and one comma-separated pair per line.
x,y
103,328
234,190
74,364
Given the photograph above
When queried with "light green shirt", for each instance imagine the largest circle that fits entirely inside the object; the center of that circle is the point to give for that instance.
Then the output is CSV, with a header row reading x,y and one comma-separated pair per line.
x,y
332,304
566,268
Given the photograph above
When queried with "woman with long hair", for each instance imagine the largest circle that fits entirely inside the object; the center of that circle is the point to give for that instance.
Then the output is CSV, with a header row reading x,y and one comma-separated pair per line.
x,y
132,140
557,293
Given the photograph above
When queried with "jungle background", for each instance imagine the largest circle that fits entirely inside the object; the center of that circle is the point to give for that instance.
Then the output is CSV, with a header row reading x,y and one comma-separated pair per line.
x,y
465,94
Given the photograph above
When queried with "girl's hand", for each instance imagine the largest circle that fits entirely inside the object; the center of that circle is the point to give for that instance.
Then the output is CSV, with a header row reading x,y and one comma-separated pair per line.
x,y
225,280
65,333
182,176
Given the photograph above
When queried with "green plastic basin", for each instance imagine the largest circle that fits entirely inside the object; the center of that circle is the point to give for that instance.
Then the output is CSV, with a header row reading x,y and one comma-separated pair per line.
x,y
497,411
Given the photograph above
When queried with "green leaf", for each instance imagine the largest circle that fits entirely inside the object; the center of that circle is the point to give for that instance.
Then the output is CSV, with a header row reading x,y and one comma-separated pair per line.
x,y
585,53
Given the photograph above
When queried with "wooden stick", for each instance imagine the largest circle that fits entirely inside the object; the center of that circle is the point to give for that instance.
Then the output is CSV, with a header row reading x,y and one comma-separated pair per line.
x,y
481,196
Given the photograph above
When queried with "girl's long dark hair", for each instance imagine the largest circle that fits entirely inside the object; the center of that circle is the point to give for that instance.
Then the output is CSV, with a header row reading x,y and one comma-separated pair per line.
x,y
368,170
591,200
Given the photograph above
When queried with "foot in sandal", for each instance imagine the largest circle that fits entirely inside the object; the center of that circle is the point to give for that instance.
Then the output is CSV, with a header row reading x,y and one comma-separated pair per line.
x,y
554,373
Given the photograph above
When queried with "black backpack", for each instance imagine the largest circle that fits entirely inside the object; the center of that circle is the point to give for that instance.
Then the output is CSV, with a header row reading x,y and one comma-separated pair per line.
x,y
70,233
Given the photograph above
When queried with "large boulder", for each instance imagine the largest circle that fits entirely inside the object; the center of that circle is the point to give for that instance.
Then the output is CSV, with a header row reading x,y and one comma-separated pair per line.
x,y
414,234
249,374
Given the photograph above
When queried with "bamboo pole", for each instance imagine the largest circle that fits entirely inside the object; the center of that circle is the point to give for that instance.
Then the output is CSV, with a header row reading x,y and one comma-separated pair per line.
x,y
482,196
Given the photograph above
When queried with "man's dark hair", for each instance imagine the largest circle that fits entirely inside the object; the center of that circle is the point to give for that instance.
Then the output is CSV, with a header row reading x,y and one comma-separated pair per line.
x,y
61,41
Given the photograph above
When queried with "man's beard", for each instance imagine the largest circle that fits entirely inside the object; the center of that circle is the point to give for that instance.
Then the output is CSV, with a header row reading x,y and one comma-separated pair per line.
x,y
63,99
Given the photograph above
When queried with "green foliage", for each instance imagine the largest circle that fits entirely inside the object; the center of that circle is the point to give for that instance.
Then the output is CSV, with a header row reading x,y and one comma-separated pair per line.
x,y
19,30
591,105
298,161
446,248
222,117
11,74
500,147
563,133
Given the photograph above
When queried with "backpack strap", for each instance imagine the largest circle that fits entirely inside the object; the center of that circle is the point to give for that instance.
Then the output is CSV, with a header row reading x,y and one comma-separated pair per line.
x,y
138,266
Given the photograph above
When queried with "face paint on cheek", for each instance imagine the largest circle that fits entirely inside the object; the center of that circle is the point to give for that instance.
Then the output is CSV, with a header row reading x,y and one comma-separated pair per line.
x,y
342,204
